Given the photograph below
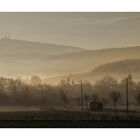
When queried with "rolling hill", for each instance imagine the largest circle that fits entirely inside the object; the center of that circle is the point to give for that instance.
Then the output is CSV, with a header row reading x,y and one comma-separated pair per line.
x,y
85,61
26,47
117,69
26,58
20,57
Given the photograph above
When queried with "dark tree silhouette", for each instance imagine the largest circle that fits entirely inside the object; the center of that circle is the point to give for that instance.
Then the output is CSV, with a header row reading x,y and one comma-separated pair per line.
x,y
26,95
115,96
63,98
77,101
86,99
95,98
138,98
35,80
104,101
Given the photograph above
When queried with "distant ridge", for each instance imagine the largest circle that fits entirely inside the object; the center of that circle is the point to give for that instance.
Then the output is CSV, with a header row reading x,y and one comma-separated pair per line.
x,y
118,69
26,58
14,45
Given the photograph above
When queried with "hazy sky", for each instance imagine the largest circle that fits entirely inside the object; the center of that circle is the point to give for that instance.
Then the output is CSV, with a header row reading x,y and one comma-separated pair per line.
x,y
86,30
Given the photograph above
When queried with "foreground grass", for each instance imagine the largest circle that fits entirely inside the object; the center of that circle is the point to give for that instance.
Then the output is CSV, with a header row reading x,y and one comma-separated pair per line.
x,y
69,115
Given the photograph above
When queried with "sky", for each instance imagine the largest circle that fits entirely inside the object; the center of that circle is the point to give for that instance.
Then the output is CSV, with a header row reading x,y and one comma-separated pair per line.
x,y
86,30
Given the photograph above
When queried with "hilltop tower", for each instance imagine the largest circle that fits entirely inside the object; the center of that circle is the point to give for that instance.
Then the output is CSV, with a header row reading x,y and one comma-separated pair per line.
x,y
7,37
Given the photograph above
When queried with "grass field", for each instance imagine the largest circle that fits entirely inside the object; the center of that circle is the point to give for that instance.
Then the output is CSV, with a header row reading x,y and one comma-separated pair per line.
x,y
66,118
36,113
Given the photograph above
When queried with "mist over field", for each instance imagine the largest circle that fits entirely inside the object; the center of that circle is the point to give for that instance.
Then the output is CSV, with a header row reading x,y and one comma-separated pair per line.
x,y
57,44
28,58
70,66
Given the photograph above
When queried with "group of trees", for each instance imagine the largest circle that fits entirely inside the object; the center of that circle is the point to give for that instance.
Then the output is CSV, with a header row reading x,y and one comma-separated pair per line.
x,y
108,90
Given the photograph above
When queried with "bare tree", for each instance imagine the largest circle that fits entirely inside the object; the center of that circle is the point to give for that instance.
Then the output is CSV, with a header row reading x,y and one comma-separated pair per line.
x,y
104,101
77,100
86,99
35,80
26,95
63,98
95,98
115,96
138,98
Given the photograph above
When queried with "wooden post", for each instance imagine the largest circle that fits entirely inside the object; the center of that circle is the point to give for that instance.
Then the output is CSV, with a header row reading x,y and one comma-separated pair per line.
x,y
82,96
42,94
127,92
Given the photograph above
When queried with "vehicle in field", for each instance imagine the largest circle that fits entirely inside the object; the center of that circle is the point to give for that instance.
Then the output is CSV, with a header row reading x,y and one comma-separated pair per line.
x,y
96,106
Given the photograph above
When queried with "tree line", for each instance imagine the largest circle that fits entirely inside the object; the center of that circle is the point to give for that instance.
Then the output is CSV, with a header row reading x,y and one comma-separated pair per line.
x,y
109,91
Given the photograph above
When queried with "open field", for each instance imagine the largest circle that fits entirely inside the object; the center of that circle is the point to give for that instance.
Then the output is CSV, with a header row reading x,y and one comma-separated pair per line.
x,y
30,117
66,114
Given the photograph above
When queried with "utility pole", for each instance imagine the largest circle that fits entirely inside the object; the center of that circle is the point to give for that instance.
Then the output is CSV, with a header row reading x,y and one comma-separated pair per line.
x,y
82,96
42,95
127,92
